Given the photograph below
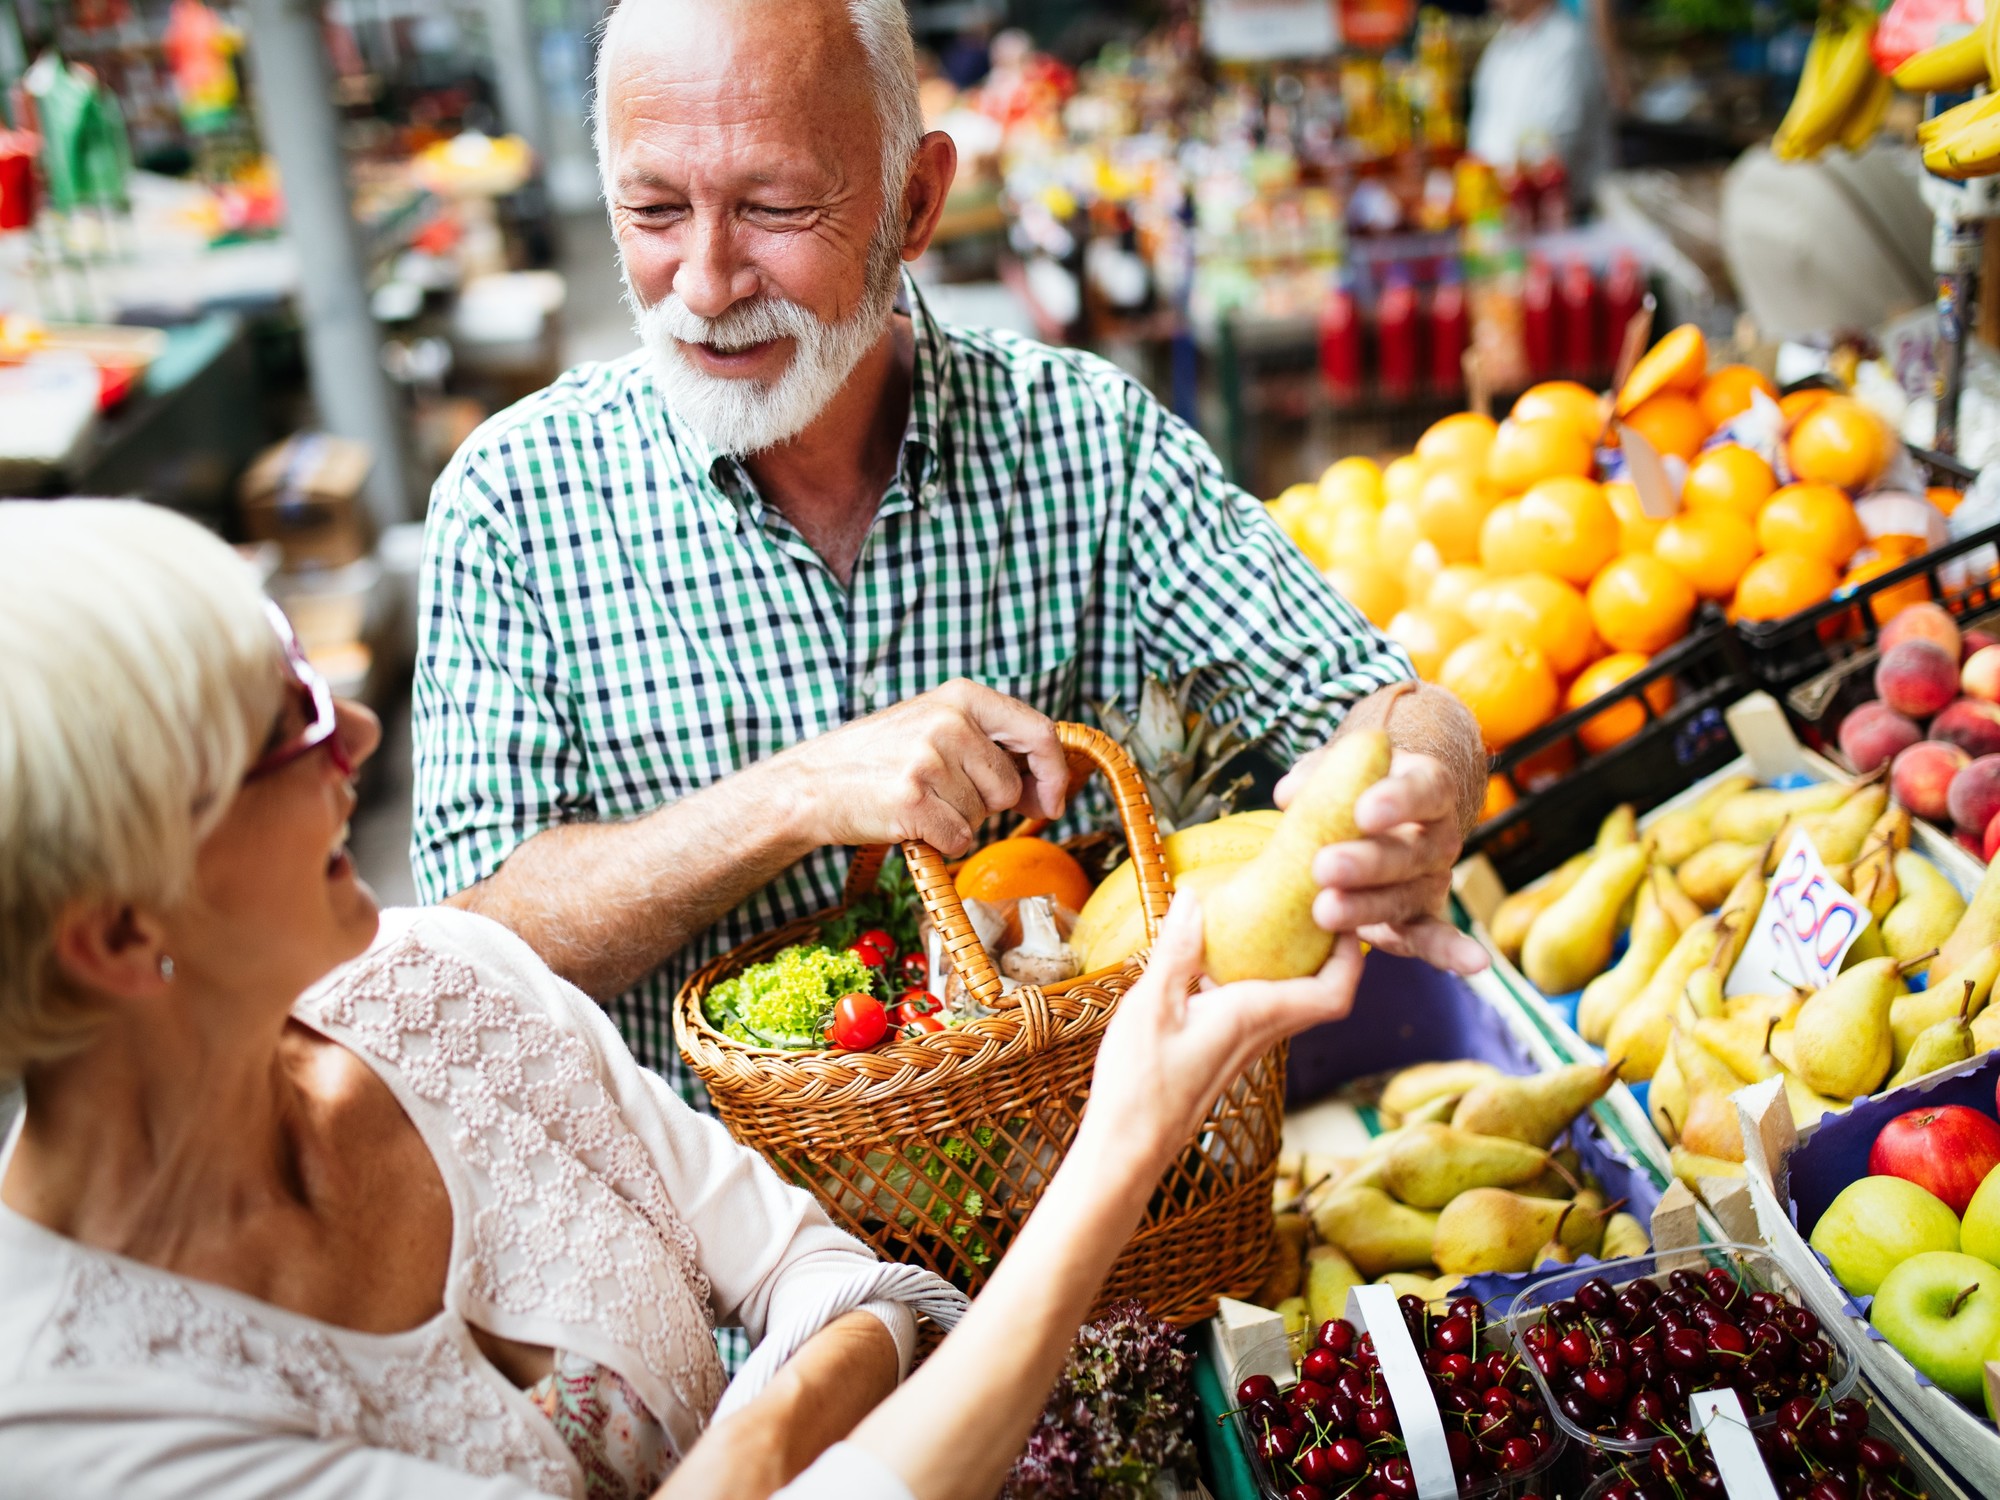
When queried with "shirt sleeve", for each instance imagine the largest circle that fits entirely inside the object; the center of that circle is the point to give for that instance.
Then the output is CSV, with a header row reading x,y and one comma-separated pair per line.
x,y
1219,587
846,1471
496,759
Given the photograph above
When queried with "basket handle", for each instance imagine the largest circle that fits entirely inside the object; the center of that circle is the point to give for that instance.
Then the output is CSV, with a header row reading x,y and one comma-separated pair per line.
x,y
1086,750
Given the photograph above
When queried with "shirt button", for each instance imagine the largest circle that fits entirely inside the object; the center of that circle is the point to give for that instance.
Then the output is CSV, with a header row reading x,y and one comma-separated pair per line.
x,y
869,683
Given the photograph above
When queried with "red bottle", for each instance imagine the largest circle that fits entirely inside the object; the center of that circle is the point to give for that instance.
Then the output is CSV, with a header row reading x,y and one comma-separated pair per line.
x,y
1624,295
1580,340
1397,335
1450,328
1539,316
1340,345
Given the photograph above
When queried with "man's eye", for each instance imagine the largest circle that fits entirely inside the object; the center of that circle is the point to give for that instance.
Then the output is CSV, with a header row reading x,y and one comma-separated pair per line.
x,y
779,211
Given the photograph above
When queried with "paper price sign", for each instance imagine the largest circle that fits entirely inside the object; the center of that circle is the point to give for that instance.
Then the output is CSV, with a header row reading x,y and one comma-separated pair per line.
x,y
1804,930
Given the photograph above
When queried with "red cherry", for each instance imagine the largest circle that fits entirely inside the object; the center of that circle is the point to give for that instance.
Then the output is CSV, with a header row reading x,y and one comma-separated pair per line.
x,y
1320,1364
1254,1389
1516,1454
1337,1334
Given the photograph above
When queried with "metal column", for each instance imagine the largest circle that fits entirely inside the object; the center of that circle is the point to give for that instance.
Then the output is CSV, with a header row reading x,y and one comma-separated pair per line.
x,y
293,87
517,73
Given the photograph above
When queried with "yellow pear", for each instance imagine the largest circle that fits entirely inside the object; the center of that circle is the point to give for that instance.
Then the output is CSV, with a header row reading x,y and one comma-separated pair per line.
x,y
1691,1167
1839,833
1743,1042
1677,834
1753,817
1492,1229
1570,944
1619,828
1432,1164
1258,924
1939,1046
1416,1284
1676,902
1708,874
1926,913
1375,1231
1535,1109
1420,1083
1666,1094
1329,1277
1624,1236
1967,988
1979,925
1515,915
1652,938
1711,1127
1872,881
1841,1038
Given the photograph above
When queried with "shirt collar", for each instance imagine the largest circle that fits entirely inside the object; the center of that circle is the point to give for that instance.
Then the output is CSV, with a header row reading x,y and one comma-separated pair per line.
x,y
923,437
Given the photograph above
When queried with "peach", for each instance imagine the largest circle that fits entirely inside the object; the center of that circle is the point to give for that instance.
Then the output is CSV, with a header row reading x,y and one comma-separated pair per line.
x,y
1873,735
1916,678
1976,640
1990,845
1975,795
1972,724
1921,778
1922,622
1981,675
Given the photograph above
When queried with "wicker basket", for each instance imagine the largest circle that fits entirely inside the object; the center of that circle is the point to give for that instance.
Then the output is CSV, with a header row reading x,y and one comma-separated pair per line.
x,y
934,1149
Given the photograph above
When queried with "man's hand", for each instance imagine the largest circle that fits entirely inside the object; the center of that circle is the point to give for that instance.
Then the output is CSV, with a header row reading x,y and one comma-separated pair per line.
x,y
932,768
1389,888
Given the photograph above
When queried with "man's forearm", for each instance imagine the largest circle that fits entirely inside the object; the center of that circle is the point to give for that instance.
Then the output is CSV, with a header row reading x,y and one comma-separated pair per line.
x,y
605,904
1425,718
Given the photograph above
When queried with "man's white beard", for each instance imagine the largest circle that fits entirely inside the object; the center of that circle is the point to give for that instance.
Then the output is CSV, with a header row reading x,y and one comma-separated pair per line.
x,y
742,416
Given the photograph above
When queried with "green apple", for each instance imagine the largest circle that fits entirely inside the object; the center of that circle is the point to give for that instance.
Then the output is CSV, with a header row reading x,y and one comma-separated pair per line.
x,y
1876,1224
1942,1312
1980,1234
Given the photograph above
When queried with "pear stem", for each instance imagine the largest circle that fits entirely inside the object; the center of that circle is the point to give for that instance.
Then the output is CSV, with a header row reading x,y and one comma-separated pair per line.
x,y
1672,1123
1965,1005
1909,965
1959,1301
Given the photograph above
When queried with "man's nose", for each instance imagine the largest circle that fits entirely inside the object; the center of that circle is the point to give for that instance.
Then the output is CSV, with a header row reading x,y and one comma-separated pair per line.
x,y
712,277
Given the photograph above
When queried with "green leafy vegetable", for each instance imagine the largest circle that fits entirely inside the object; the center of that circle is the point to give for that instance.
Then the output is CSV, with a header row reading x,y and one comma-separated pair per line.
x,y
788,1000
893,905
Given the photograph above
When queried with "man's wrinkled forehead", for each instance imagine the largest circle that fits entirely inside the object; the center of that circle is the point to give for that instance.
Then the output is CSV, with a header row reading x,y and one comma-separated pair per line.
x,y
718,63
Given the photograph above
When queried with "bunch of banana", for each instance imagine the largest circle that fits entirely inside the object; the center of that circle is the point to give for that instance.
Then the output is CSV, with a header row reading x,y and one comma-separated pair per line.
x,y
1841,98
1961,142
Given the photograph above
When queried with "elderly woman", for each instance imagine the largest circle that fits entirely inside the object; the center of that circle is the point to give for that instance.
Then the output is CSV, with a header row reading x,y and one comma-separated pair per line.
x,y
309,1200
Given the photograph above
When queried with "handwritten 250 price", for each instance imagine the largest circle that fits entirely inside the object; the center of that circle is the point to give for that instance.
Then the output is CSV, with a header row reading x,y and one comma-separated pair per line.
x,y
1815,919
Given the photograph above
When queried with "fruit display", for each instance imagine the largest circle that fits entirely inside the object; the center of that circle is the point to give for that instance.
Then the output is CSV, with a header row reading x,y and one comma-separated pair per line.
x,y
1933,718
1471,1175
1336,1432
1518,566
1920,1236
1617,1349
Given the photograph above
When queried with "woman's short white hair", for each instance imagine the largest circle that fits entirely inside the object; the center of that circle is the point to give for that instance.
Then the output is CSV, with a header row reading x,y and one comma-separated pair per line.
x,y
883,29
138,672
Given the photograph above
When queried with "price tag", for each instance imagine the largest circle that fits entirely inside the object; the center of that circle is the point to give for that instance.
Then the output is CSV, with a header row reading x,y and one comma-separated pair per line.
x,y
1718,1416
1373,1309
1804,930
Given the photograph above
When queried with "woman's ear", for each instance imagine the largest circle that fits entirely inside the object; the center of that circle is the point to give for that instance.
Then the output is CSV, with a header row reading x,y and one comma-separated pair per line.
x,y
114,951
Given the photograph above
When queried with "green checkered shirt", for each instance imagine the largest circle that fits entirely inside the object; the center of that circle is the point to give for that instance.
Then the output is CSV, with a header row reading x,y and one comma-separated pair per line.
x,y
612,618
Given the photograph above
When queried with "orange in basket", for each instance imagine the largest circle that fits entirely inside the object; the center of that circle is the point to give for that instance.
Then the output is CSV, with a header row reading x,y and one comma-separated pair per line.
x,y
1012,868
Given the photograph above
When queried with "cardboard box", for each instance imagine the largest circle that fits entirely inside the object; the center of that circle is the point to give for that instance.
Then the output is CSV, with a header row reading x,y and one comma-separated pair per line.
x,y
305,495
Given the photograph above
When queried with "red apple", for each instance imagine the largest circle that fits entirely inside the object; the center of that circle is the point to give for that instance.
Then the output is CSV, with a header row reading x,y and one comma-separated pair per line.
x,y
1946,1150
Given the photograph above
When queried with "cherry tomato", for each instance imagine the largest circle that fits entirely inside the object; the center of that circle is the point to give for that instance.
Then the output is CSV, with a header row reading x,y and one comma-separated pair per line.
x,y
880,940
916,968
858,1022
911,1004
868,953
922,1025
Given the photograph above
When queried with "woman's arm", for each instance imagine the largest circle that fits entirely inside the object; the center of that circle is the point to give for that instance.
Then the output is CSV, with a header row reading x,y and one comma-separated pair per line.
x,y
952,1431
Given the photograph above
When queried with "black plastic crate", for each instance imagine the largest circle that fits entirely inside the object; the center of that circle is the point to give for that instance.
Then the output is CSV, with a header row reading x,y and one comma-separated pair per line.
x,y
1817,705
1781,654
1689,740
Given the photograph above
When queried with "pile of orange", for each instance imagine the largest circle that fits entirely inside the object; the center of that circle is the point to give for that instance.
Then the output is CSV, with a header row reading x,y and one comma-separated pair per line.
x,y
1516,579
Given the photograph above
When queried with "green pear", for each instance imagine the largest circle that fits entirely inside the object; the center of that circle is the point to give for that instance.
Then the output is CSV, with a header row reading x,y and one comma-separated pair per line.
x,y
1939,1046
1492,1229
1926,914
1535,1109
1514,916
1570,943
1754,817
1967,988
1979,925
1258,923
1707,875
1375,1231
1979,1232
1654,932
1421,1083
1330,1275
1841,1039
1624,1236
1432,1164
1875,1224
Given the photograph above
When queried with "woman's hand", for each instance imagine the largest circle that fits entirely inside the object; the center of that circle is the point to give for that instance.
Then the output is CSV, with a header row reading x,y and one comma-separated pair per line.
x,y
1168,1054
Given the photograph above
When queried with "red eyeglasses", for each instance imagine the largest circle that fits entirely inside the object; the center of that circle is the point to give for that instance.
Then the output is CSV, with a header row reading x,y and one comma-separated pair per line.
x,y
315,698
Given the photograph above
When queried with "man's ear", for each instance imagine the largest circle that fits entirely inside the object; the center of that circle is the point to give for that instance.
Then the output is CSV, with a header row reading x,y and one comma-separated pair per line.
x,y
103,948
931,172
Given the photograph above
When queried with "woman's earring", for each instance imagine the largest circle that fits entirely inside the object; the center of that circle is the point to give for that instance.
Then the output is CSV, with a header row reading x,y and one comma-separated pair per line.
x,y
166,967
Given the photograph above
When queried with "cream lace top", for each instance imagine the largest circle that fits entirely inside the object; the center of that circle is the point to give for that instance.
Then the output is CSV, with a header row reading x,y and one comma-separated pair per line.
x,y
593,1214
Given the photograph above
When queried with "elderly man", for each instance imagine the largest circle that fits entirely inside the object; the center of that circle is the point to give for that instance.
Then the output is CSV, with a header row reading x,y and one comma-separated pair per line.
x,y
811,571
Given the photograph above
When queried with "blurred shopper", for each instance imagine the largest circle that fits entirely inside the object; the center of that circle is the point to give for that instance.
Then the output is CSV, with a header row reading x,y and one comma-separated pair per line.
x,y
811,571
308,1200
1539,90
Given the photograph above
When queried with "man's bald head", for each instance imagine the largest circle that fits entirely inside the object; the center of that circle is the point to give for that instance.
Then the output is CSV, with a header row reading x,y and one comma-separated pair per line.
x,y
865,42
